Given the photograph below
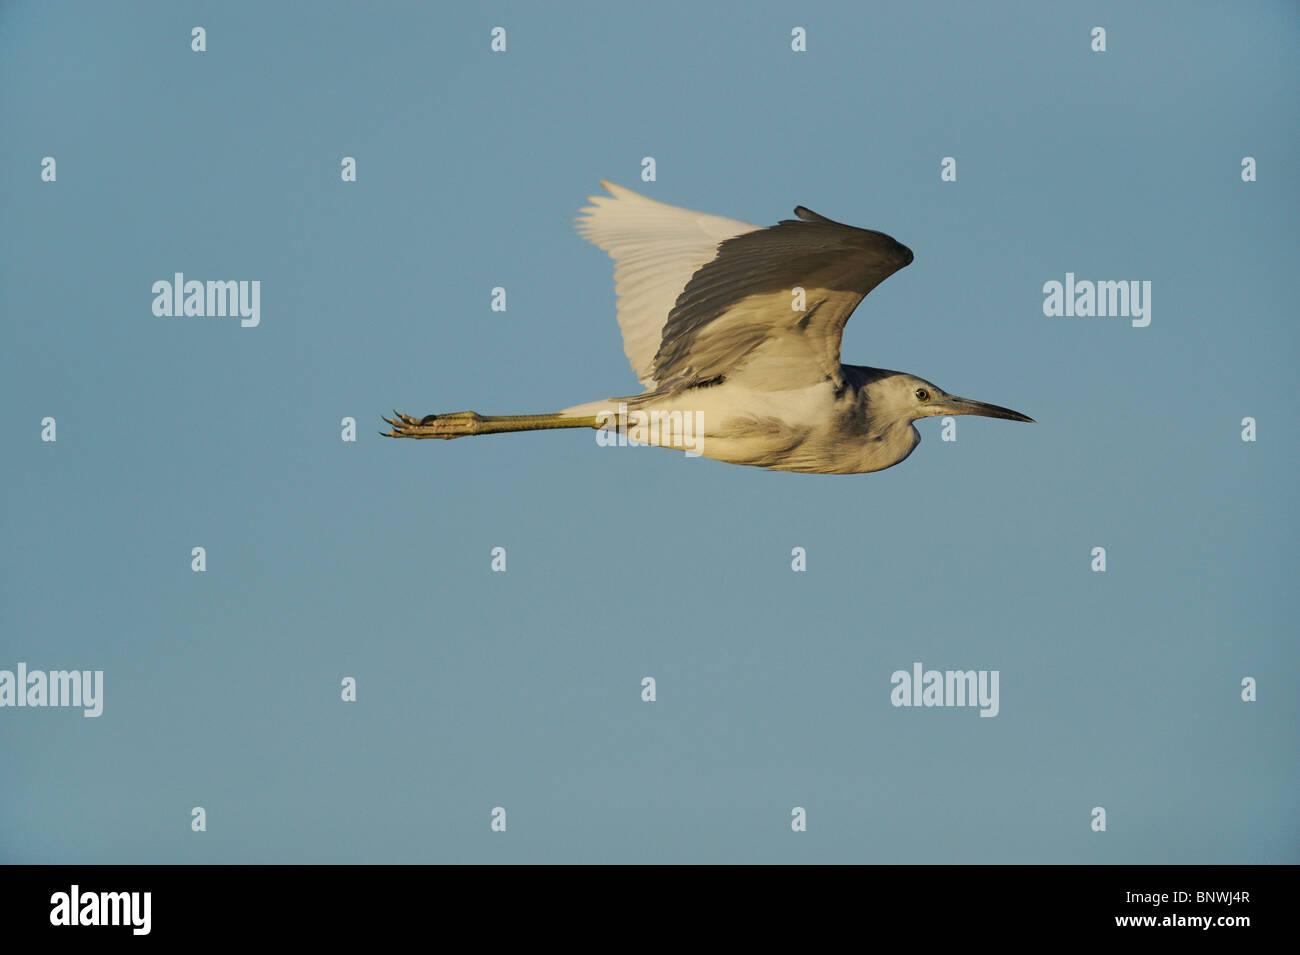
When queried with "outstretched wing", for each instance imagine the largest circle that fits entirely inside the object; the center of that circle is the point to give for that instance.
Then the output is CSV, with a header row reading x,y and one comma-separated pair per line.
x,y
739,316
656,249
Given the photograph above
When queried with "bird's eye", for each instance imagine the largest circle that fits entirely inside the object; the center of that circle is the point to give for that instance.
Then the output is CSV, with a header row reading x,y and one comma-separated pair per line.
x,y
922,394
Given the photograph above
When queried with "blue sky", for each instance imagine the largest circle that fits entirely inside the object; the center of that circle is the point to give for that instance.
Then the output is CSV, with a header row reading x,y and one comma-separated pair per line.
x,y
371,560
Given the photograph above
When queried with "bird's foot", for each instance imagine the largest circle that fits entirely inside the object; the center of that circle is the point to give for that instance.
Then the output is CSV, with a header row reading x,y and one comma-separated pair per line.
x,y
455,425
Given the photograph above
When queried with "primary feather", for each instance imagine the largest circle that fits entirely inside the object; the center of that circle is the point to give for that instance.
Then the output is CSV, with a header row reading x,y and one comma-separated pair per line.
x,y
656,249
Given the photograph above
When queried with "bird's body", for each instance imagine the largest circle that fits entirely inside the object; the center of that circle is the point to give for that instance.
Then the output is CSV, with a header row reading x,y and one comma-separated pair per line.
x,y
817,428
734,331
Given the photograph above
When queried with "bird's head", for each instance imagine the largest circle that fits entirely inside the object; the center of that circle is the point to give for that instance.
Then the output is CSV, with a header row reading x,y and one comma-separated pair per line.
x,y
904,396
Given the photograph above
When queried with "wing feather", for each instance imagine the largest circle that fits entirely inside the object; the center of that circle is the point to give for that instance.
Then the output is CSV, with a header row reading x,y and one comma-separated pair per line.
x,y
737,314
702,297
656,249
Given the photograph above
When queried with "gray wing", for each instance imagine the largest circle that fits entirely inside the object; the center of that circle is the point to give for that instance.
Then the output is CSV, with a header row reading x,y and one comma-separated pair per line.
x,y
737,316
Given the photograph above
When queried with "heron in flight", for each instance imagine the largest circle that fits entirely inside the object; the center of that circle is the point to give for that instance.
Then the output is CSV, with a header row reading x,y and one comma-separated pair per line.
x,y
734,332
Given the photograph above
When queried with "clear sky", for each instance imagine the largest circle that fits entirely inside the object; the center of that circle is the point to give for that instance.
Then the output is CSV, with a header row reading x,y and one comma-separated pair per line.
x,y
371,559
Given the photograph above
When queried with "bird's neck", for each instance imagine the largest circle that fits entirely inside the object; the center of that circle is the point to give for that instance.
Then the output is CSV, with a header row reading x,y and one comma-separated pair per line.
x,y
889,435
889,442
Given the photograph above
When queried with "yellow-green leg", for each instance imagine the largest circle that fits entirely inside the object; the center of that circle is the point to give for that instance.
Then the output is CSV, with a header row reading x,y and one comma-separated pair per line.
x,y
462,423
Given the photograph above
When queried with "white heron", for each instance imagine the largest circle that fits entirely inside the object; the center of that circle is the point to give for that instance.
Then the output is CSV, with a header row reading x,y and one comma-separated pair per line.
x,y
734,332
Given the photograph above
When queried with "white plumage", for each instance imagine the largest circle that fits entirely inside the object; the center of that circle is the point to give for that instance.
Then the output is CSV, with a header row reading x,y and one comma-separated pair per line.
x,y
656,249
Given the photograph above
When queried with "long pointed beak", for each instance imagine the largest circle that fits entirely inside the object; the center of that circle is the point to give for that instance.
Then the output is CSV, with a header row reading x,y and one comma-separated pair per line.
x,y
954,405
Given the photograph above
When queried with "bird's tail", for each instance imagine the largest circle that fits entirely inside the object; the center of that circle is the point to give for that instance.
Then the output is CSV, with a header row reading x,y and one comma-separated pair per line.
x,y
463,423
